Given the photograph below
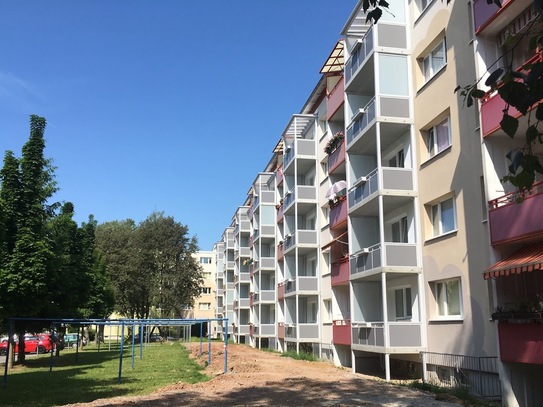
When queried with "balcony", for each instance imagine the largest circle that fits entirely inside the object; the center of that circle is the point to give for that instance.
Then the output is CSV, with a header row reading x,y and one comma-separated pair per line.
x,y
338,213
335,99
521,343
511,222
266,330
492,113
402,336
280,252
290,331
401,255
340,272
359,55
280,291
366,116
299,148
300,238
279,175
342,332
336,158
489,18
302,283
280,330
308,331
392,181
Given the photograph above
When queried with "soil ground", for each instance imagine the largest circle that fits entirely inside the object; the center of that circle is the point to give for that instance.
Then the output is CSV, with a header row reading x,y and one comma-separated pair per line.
x,y
258,378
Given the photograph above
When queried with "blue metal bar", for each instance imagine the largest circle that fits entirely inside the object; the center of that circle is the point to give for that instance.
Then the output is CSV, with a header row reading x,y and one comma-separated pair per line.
x,y
133,342
121,357
141,341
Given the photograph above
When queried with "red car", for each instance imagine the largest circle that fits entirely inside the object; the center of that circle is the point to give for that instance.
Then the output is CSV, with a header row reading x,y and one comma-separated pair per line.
x,y
40,343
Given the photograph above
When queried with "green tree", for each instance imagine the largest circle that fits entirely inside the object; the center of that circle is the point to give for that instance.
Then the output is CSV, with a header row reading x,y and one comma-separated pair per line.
x,y
151,265
27,184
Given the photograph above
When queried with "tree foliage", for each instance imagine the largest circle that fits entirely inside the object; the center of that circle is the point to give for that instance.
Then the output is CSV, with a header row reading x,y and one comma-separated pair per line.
x,y
49,267
151,265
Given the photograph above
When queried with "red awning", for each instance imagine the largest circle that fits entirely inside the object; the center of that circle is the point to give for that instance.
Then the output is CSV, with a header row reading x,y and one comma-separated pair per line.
x,y
527,259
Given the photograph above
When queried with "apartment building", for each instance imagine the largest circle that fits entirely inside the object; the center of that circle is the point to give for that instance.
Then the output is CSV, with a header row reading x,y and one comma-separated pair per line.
x,y
205,304
242,260
386,256
516,231
220,292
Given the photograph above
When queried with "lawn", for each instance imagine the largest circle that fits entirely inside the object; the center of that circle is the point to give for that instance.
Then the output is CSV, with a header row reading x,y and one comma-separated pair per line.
x,y
95,375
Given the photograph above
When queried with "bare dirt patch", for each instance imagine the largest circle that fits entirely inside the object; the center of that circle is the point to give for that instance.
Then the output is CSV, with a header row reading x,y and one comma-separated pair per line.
x,y
258,378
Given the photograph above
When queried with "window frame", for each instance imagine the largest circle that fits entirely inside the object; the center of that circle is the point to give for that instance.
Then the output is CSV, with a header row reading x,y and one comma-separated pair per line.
x,y
436,214
406,303
432,138
442,300
427,62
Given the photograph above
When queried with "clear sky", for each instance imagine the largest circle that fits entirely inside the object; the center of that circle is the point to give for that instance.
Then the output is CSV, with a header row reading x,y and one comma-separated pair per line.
x,y
169,105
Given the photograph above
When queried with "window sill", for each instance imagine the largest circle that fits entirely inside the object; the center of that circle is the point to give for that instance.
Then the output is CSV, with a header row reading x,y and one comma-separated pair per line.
x,y
437,320
442,236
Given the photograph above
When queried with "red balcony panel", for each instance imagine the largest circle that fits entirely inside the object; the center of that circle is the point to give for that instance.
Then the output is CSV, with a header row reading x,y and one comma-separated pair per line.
x,y
280,291
281,330
336,157
492,113
342,332
335,99
510,221
484,13
280,252
338,213
521,343
279,175
340,272
279,213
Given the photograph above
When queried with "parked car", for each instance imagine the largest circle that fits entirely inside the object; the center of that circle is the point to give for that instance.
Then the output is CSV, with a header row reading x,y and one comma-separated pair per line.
x,y
70,340
39,343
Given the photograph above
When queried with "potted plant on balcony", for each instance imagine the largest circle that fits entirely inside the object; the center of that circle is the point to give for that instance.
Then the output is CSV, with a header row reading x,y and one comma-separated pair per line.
x,y
529,311
334,142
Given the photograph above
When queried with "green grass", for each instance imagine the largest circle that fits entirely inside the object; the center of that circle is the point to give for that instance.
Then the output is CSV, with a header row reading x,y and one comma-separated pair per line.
x,y
95,375
300,356
460,393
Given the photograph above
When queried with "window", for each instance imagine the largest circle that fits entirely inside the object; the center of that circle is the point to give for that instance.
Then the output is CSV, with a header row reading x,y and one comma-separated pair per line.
x,y
434,61
448,295
399,231
205,290
438,138
204,306
205,260
402,298
443,217
398,160
327,311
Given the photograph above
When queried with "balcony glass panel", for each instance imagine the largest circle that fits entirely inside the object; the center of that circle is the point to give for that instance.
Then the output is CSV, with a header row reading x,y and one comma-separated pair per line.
x,y
342,332
308,331
364,189
374,335
359,125
340,272
405,334
338,213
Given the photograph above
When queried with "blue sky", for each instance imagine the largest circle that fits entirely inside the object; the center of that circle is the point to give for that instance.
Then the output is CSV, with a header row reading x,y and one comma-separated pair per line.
x,y
167,105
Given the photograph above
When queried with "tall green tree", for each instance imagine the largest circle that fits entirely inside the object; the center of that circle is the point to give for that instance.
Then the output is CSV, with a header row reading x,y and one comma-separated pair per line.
x,y
151,265
27,184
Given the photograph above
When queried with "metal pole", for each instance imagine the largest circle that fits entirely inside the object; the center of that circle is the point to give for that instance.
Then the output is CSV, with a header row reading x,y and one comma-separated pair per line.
x,y
121,356
53,348
77,343
226,347
141,341
201,334
208,343
133,342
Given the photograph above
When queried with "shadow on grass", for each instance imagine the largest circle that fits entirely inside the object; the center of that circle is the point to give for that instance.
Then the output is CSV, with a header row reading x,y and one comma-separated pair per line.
x,y
67,382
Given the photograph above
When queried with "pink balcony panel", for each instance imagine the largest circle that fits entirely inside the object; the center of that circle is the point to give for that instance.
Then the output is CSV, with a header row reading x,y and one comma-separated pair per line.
x,y
335,99
280,291
280,214
280,252
281,330
510,221
279,175
521,343
340,272
342,332
336,157
484,13
492,113
338,213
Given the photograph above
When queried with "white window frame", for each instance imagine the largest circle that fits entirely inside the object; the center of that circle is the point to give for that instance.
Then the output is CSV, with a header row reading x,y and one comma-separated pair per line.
x,y
431,65
403,229
204,306
433,137
443,302
436,217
